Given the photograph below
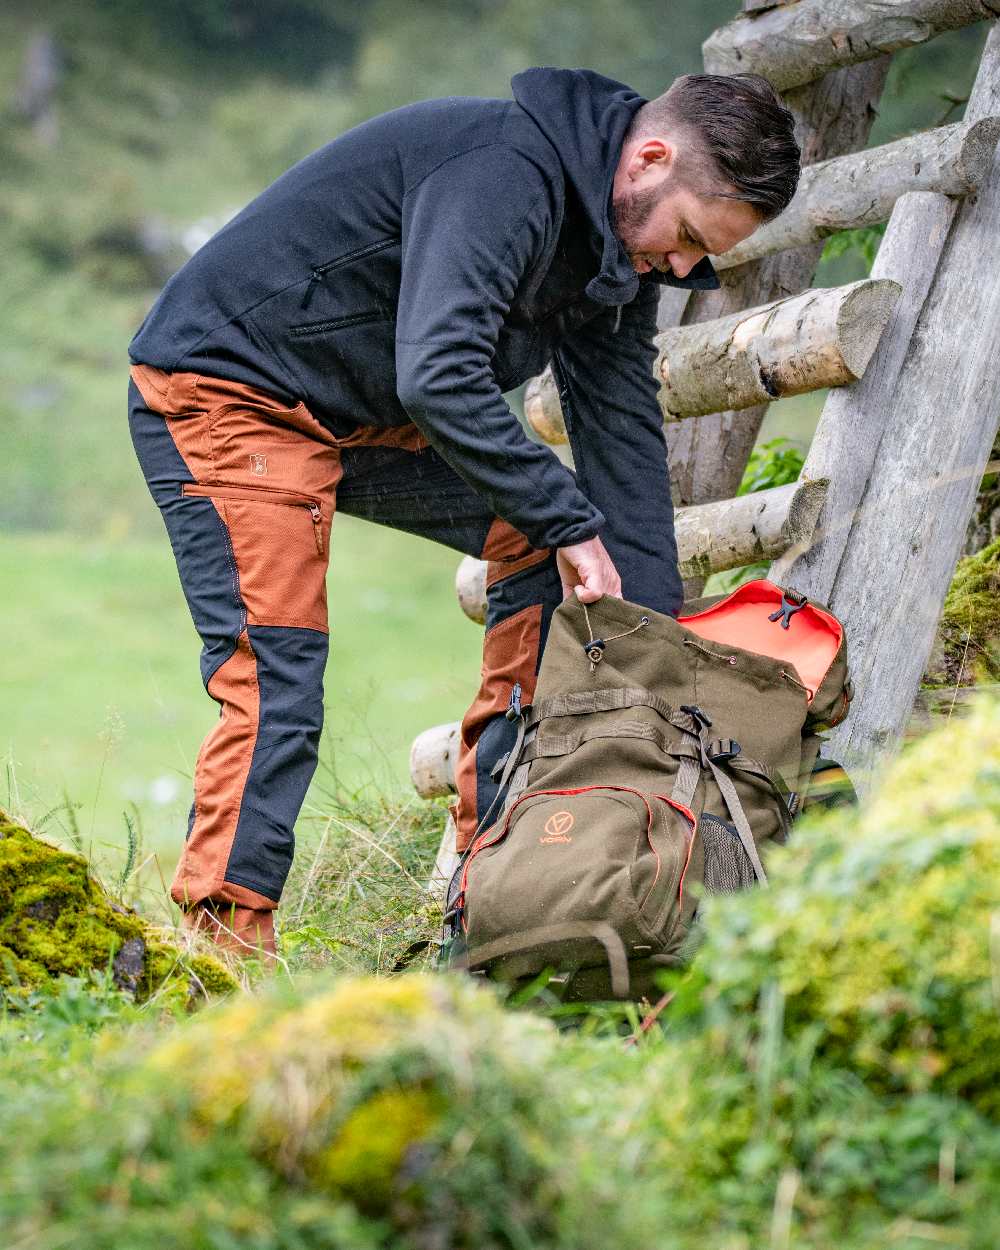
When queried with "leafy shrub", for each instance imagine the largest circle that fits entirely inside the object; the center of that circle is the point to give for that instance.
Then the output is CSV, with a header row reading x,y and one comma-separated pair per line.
x,y
826,1073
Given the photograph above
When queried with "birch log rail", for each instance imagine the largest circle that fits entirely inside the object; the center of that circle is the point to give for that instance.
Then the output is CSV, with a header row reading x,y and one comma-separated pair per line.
x,y
711,537
824,337
860,189
798,43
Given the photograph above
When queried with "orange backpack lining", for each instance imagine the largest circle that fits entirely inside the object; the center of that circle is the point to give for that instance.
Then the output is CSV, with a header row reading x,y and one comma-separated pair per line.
x,y
810,644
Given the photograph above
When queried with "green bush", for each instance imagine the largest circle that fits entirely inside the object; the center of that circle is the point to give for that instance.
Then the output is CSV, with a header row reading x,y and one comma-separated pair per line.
x,y
826,1073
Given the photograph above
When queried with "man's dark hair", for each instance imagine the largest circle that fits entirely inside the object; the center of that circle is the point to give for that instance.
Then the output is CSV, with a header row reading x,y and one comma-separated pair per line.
x,y
740,128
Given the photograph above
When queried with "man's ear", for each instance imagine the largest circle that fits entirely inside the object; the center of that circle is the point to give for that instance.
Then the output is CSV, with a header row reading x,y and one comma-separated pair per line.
x,y
650,156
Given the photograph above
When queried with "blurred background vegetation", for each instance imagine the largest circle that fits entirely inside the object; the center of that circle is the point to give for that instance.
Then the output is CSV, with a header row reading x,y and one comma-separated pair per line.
x,y
131,131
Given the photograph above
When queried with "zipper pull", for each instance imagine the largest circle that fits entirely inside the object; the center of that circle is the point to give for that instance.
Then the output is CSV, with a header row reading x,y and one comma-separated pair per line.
x,y
317,520
314,281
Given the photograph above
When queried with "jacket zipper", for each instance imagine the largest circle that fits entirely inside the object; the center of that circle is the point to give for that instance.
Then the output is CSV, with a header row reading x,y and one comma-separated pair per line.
x,y
287,499
319,272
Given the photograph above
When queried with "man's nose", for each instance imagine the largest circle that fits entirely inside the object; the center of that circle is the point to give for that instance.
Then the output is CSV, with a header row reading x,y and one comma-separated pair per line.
x,y
682,262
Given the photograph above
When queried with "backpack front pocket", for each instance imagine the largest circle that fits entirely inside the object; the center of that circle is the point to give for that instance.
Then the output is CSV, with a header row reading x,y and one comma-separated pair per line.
x,y
606,856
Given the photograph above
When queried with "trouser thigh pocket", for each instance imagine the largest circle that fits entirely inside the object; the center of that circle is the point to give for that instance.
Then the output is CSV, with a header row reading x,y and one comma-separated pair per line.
x,y
280,544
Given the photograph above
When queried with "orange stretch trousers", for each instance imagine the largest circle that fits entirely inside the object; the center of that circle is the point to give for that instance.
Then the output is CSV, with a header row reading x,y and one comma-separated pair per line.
x,y
248,485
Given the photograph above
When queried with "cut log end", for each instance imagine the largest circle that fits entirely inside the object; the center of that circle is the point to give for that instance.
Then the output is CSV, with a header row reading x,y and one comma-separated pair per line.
x,y
862,317
432,760
978,147
470,586
804,511
543,410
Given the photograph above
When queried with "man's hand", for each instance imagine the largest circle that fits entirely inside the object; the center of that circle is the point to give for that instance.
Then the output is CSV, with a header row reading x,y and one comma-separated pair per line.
x,y
587,568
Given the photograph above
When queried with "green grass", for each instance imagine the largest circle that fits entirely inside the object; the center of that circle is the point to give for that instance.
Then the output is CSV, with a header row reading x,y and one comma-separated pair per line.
x,y
825,1072
103,700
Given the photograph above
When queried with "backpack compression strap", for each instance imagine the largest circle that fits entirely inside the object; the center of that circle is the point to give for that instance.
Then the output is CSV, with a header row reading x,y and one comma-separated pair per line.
x,y
711,755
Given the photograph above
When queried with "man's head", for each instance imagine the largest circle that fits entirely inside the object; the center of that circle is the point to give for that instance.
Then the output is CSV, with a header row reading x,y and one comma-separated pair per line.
x,y
702,166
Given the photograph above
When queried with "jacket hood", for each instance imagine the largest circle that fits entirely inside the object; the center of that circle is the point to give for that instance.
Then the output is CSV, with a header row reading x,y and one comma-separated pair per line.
x,y
585,117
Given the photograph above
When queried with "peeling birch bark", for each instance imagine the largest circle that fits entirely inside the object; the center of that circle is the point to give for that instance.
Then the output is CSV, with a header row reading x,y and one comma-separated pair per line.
x,y
711,537
824,337
861,189
798,43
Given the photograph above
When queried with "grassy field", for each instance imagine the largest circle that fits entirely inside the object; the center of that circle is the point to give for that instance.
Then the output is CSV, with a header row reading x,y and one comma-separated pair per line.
x,y
102,699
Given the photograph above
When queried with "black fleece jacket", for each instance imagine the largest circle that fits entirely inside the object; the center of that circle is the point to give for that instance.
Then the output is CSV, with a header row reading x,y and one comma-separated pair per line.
x,y
427,261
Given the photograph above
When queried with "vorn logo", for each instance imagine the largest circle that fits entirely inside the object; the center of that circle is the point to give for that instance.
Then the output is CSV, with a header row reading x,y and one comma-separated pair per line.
x,y
557,827
258,464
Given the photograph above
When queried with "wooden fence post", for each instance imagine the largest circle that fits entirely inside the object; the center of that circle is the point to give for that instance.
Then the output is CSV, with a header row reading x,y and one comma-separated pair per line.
x,y
940,419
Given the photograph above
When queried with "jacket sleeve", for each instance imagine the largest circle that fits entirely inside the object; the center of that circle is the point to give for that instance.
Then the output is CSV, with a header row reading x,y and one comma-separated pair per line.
x,y
472,230
604,372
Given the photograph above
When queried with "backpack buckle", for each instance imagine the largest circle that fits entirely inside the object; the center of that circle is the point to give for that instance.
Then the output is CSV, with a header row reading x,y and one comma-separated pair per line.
x,y
723,749
496,772
697,715
514,706
791,602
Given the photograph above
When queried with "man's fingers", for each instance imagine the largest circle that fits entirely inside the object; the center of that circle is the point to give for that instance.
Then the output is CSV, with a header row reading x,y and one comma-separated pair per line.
x,y
588,569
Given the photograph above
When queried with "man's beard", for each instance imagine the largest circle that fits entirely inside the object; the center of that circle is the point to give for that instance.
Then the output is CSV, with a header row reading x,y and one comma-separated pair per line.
x,y
631,214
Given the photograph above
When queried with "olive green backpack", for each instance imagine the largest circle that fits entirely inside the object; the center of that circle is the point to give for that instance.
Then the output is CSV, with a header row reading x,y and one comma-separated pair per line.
x,y
660,759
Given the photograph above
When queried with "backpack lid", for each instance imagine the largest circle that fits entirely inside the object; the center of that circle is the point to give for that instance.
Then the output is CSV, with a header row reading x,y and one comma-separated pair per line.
x,y
761,617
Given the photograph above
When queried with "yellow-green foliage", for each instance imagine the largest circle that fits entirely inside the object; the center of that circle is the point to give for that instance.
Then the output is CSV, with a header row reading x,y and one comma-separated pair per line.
x,y
56,920
826,1074
881,935
970,621
348,1085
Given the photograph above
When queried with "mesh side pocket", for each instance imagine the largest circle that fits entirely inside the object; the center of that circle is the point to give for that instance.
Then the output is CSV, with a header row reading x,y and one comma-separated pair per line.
x,y
727,865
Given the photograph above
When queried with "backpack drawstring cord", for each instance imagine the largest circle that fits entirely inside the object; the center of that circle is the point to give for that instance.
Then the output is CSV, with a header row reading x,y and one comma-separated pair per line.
x,y
594,647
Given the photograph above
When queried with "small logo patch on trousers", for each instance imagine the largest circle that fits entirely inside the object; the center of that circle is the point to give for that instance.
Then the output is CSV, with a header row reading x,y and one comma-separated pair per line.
x,y
258,464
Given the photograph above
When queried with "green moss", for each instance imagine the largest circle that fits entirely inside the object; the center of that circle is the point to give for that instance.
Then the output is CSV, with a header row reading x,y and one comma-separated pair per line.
x,y
969,632
55,920
365,1156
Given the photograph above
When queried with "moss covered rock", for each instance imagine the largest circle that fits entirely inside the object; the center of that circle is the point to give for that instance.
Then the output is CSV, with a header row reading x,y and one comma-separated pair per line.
x,y
56,920
879,934
967,648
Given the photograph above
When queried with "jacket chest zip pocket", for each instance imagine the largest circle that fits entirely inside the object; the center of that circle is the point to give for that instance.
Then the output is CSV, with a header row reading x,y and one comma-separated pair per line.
x,y
262,494
321,272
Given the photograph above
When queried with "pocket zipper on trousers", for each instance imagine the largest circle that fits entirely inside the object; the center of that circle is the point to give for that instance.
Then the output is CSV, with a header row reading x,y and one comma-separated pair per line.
x,y
262,494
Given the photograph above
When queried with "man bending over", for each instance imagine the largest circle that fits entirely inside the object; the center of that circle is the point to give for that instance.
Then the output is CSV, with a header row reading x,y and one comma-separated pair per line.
x,y
344,343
